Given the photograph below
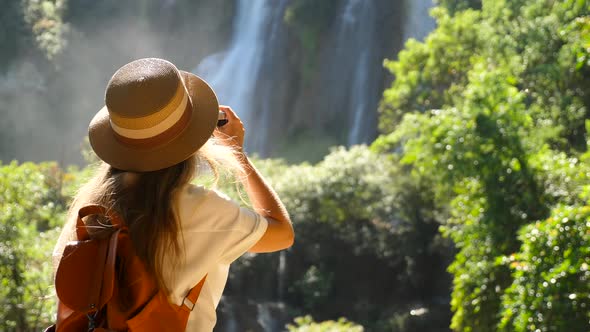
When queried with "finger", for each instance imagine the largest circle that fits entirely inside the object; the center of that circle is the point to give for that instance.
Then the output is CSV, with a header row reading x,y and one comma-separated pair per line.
x,y
229,112
226,109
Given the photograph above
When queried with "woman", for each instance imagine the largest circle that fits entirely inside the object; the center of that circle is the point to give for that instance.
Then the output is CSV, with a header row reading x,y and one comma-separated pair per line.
x,y
157,129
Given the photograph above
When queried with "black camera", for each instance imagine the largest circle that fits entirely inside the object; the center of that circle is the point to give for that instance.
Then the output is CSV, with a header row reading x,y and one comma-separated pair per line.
x,y
222,119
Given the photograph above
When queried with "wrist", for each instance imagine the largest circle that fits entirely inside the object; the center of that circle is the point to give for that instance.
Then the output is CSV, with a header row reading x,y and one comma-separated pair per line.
x,y
241,156
246,164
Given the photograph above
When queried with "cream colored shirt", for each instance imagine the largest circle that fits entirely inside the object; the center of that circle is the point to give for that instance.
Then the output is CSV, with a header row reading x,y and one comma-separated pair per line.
x,y
215,232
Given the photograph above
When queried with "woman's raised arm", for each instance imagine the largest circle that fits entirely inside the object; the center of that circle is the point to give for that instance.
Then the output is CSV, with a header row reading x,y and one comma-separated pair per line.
x,y
279,233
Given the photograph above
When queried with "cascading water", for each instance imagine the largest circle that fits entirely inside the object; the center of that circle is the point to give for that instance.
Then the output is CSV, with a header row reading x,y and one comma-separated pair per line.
x,y
247,75
236,73
358,28
233,74
253,76
418,22
353,71
281,275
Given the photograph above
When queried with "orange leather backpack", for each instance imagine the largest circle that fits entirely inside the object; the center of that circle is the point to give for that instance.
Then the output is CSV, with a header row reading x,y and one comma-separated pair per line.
x,y
90,291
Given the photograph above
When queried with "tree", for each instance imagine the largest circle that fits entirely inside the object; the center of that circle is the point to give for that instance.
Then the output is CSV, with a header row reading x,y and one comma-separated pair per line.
x,y
498,125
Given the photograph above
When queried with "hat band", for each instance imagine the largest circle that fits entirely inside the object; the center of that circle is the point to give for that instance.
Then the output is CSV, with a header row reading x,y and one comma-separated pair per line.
x,y
177,101
162,138
154,130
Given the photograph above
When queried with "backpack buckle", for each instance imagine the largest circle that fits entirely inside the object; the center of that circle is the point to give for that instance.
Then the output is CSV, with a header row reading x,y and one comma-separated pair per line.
x,y
188,303
91,321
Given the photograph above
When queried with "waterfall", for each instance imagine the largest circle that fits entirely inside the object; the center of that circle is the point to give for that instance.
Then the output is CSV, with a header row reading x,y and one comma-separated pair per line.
x,y
235,74
265,318
418,22
353,71
281,275
231,323
357,51
235,315
248,75
358,27
254,76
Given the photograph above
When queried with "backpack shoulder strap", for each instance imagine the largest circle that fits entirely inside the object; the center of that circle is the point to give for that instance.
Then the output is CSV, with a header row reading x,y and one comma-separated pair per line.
x,y
191,298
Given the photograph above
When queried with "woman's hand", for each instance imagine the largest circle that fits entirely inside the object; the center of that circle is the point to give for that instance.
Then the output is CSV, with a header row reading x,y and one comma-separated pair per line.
x,y
233,132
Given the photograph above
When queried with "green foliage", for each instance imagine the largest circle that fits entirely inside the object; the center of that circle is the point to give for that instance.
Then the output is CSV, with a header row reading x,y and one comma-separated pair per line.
x,y
428,74
314,286
307,324
31,206
342,207
477,153
44,18
31,28
491,110
551,274
355,211
356,176
305,145
454,6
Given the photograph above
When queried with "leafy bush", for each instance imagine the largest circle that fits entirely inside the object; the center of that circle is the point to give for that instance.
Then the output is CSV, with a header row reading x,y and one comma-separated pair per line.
x,y
31,206
551,275
354,211
306,324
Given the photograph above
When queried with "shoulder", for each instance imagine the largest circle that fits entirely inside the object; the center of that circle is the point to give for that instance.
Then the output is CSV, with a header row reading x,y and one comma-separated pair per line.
x,y
199,195
203,209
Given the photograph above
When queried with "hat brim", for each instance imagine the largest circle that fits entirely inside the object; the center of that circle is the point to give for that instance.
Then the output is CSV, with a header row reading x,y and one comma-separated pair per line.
x,y
205,109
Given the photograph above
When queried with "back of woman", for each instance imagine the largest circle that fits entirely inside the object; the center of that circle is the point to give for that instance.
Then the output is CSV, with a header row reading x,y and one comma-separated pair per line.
x,y
159,128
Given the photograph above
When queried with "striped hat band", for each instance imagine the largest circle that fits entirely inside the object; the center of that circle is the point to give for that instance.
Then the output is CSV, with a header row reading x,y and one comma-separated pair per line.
x,y
157,128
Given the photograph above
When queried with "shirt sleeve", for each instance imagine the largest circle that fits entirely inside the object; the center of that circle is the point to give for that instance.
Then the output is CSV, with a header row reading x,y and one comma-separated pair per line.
x,y
241,226
252,228
215,232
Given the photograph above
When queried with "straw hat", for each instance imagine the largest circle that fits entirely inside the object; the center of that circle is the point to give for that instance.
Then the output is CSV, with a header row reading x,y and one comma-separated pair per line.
x,y
155,116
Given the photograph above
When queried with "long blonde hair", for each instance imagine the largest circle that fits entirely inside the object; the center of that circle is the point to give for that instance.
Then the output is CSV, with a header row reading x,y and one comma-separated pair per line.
x,y
146,201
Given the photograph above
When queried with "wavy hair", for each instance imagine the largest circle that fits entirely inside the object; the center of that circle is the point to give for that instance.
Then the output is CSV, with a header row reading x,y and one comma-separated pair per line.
x,y
147,203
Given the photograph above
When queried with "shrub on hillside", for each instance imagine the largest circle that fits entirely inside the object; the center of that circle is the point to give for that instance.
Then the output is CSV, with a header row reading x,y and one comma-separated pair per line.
x,y
31,206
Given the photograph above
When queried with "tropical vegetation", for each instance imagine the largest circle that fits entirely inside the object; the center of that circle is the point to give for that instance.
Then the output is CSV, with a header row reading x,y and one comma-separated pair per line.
x,y
470,212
